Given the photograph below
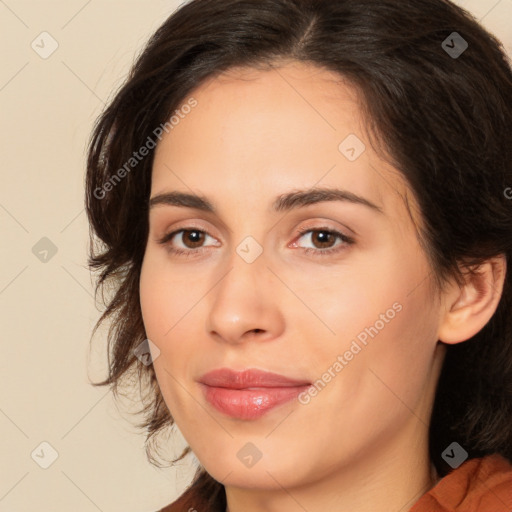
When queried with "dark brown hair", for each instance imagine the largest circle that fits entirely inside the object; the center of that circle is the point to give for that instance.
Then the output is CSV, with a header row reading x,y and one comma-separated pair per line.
x,y
443,120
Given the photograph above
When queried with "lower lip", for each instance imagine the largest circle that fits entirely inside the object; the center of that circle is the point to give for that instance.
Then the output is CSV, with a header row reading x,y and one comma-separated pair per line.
x,y
249,404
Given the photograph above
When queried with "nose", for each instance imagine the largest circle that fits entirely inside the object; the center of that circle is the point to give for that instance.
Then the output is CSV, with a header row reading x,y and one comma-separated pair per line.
x,y
245,303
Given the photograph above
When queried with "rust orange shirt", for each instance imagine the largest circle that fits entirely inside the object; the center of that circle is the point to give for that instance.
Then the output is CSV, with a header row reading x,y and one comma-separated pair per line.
x,y
478,485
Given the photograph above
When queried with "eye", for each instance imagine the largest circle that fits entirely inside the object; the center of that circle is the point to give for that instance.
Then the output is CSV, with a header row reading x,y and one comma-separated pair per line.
x,y
191,240
324,237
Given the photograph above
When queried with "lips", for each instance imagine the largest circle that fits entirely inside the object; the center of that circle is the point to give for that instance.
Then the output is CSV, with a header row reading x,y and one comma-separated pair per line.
x,y
250,393
252,378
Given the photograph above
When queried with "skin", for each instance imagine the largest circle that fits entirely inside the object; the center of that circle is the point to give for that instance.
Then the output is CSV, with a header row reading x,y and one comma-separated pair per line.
x,y
361,444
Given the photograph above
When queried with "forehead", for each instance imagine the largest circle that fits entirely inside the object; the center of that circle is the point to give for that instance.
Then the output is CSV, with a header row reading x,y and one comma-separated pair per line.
x,y
272,130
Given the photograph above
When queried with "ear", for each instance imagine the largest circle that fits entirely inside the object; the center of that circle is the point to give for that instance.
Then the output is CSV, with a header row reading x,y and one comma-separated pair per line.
x,y
467,310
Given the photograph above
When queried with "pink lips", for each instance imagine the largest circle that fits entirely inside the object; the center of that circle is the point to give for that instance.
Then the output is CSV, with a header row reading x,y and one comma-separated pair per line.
x,y
249,394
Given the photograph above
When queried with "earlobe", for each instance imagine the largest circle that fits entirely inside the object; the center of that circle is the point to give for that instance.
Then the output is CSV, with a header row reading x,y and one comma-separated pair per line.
x,y
468,309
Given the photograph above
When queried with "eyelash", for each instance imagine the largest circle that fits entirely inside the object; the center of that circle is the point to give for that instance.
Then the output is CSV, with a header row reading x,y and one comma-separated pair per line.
x,y
347,241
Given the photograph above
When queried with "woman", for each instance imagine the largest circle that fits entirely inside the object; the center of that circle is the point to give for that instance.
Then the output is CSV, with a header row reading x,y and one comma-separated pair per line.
x,y
304,210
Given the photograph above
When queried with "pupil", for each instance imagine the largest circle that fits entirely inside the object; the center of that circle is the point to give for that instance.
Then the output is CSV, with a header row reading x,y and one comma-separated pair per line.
x,y
323,236
194,234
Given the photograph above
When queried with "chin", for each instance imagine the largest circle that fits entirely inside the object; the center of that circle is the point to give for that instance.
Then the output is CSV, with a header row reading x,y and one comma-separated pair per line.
x,y
266,473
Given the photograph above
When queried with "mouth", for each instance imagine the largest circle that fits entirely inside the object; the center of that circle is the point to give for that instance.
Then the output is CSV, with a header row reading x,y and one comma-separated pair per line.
x,y
249,394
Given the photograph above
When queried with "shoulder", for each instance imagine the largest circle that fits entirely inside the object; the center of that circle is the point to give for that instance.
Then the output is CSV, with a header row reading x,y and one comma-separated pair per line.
x,y
478,485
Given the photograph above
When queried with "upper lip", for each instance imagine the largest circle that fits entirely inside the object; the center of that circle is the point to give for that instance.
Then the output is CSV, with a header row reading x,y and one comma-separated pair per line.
x,y
233,379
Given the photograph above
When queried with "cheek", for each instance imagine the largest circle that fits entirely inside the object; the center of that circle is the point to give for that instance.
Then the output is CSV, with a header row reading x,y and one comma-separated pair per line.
x,y
166,301
157,304
394,367
165,297
376,384
363,301
383,326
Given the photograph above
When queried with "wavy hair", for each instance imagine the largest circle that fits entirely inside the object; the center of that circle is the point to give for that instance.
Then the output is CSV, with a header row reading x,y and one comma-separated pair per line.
x,y
443,120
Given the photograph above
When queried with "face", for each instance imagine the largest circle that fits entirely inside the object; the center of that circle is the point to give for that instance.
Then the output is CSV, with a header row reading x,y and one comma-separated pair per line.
x,y
331,291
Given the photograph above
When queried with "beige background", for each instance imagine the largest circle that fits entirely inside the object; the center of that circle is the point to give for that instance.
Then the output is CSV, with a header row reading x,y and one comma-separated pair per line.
x,y
47,108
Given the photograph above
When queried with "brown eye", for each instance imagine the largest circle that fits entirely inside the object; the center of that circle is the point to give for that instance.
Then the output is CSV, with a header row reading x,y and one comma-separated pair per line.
x,y
323,239
186,242
192,238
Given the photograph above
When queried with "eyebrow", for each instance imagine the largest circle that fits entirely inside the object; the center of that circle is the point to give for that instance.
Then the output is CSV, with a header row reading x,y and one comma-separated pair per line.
x,y
284,202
